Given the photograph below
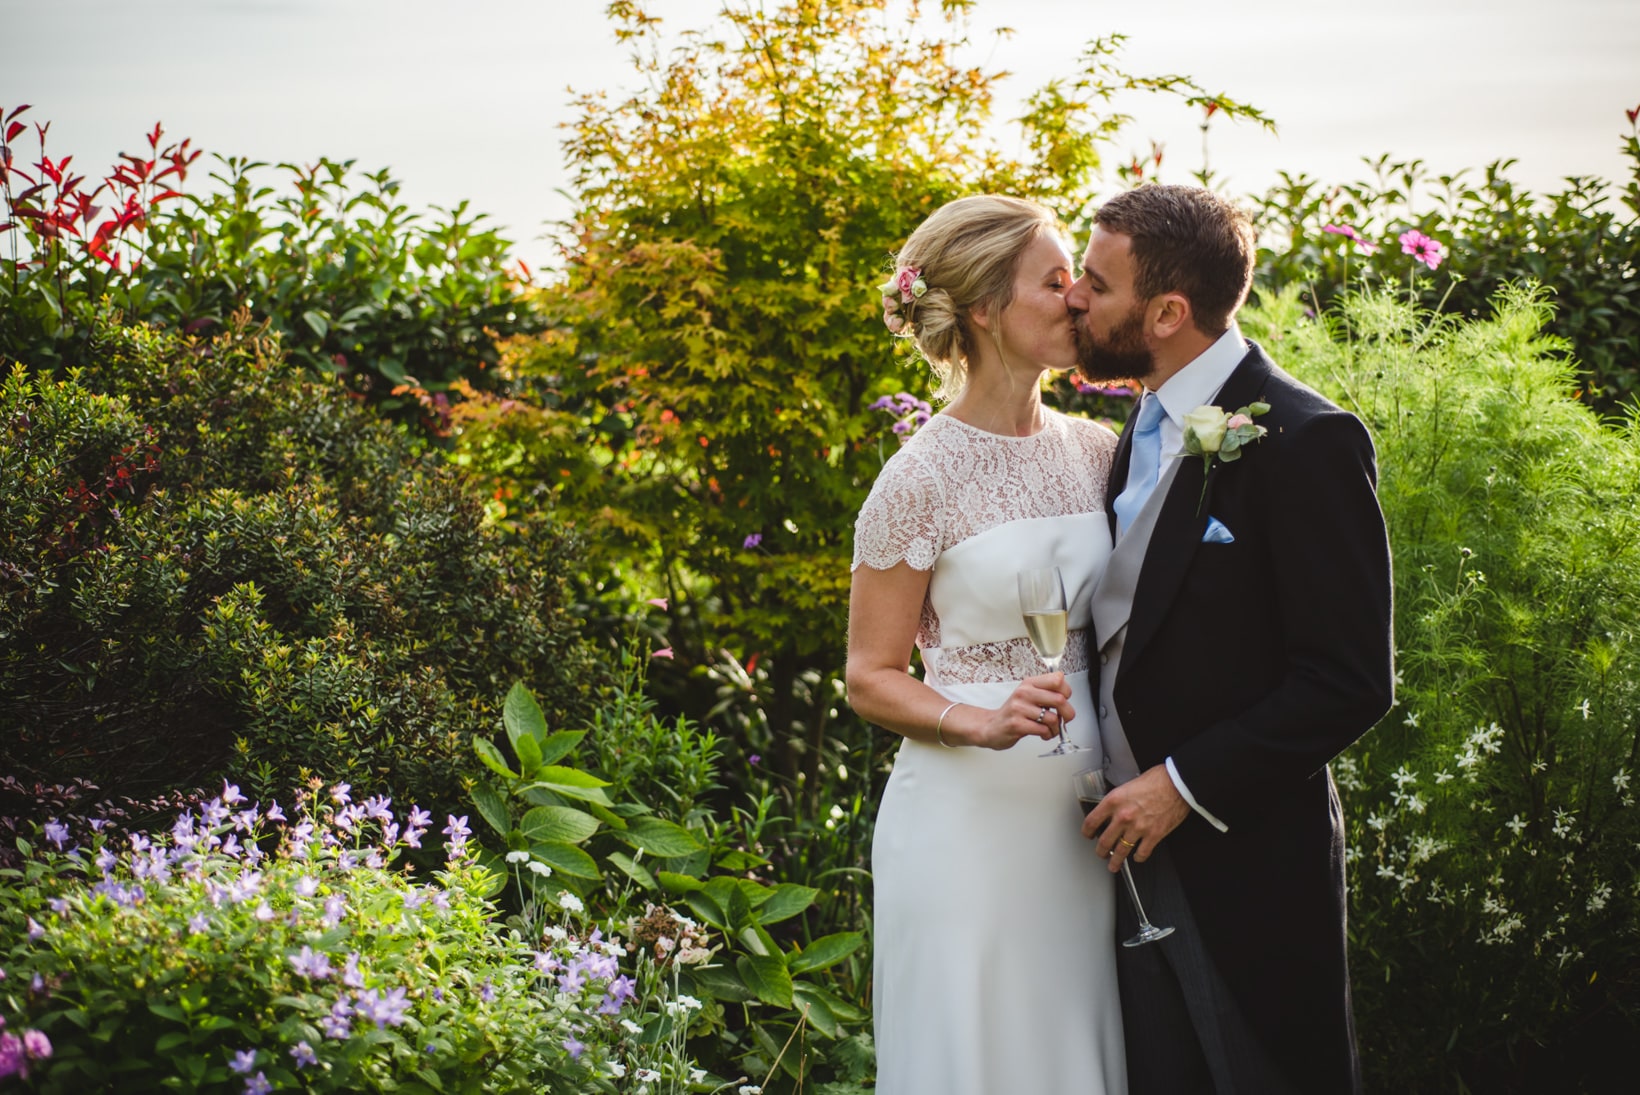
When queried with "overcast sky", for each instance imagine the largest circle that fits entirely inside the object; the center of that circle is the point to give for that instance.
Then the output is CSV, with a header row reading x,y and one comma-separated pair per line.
x,y
464,100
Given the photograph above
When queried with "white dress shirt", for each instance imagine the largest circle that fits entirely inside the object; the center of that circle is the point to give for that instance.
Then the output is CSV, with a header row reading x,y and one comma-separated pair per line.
x,y
1196,385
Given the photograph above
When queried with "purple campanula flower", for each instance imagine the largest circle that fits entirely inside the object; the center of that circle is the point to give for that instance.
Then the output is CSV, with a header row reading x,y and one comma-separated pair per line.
x,y
105,860
573,1047
258,1085
315,966
351,977
35,931
335,905
231,795
56,832
243,1061
213,813
486,992
245,820
752,541
306,886
304,1055
571,981
388,1010
338,1024
275,814
197,923
139,843
342,793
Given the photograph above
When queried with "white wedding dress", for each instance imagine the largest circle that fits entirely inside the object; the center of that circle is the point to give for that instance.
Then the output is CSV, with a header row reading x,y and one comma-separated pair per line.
x,y
994,920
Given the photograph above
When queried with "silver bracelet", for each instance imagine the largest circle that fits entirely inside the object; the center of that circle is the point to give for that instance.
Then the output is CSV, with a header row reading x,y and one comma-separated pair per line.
x,y
940,724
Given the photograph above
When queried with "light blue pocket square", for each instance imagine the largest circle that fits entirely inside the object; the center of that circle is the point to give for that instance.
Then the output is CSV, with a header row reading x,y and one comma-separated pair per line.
x,y
1216,533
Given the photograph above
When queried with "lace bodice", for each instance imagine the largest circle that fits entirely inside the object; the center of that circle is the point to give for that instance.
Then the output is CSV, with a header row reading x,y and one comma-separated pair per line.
x,y
951,482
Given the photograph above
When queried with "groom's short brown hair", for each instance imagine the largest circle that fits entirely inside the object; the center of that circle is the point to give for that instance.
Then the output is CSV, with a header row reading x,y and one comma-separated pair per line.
x,y
1186,240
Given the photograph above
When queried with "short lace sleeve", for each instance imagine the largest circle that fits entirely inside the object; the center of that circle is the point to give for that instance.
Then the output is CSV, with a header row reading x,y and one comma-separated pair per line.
x,y
901,519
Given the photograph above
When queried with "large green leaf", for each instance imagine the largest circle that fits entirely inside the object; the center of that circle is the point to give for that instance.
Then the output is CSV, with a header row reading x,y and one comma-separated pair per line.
x,y
839,1007
701,904
529,755
767,977
491,756
558,746
679,883
522,716
633,870
825,951
720,984
566,858
571,783
492,808
657,836
787,901
558,823
820,1016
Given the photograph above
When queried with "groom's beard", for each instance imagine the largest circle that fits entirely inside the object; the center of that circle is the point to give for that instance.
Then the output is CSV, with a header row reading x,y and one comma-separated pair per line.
x,y
1121,356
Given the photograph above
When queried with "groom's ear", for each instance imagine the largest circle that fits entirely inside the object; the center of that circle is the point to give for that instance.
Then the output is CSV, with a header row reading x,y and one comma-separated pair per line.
x,y
1169,314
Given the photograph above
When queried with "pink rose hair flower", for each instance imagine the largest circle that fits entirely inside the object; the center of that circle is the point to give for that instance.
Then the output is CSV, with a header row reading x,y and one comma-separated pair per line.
x,y
1366,245
1421,247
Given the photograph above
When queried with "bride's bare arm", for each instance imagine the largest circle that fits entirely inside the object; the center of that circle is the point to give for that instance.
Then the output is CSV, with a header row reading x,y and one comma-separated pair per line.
x,y
883,612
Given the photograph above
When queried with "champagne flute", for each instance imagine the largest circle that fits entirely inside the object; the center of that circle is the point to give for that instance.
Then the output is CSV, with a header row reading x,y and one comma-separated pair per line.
x,y
1090,788
1042,601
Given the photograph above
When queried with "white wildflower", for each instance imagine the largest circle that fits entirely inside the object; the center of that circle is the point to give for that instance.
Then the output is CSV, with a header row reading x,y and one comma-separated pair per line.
x,y
569,901
1620,779
518,857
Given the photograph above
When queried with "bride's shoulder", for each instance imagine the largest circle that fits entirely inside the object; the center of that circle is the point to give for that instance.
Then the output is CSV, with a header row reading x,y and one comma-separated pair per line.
x,y
1095,436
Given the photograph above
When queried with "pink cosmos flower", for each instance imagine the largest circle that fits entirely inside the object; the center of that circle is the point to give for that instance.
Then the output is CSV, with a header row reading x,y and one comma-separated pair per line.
x,y
1421,247
1366,245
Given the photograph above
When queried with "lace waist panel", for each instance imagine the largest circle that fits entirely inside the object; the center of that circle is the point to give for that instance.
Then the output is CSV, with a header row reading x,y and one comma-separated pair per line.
x,y
1008,660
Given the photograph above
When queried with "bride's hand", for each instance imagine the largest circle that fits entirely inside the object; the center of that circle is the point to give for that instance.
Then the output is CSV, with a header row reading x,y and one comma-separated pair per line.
x,y
1034,710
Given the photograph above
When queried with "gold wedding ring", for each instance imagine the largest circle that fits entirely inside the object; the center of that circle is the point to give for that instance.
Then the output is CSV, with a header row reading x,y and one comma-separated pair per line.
x,y
1128,843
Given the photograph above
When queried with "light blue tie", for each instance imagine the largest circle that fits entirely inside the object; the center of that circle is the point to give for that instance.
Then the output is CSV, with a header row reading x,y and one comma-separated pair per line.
x,y
1144,462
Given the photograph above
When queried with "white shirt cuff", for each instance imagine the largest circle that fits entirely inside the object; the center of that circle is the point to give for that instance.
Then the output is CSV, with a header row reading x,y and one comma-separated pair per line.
x,y
1173,774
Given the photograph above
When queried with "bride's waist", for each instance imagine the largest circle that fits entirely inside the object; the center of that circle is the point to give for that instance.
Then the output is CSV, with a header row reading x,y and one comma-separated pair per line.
x,y
1004,660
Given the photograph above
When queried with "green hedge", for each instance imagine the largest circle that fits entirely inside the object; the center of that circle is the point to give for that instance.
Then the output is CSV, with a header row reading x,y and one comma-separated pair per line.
x,y
210,561
1491,817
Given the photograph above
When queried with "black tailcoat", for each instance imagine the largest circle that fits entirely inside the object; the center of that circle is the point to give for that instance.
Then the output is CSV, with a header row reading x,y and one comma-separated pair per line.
x,y
1252,664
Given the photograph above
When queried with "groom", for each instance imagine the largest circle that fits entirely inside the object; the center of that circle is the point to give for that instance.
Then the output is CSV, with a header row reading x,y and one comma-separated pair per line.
x,y
1244,639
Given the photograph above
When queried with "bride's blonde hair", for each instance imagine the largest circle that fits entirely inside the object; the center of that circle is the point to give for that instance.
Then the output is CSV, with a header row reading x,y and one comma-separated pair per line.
x,y
967,253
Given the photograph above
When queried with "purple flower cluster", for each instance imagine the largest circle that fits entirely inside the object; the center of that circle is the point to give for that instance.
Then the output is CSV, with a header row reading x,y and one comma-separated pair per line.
x,y
576,968
910,413
18,1052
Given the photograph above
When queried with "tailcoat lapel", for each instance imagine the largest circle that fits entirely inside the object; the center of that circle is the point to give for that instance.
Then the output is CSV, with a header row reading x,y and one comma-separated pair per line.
x,y
1183,520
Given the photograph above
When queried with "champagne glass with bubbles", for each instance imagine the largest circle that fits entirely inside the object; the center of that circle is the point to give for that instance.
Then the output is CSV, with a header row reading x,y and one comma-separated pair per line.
x,y
1042,601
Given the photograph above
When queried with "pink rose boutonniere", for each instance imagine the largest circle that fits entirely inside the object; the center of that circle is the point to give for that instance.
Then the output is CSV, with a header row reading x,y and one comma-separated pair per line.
x,y
1211,434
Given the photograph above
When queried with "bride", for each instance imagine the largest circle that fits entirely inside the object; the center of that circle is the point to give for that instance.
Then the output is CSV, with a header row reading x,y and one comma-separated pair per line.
x,y
994,920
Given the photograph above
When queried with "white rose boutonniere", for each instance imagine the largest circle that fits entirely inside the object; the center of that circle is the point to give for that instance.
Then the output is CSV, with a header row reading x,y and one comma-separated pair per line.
x,y
1210,433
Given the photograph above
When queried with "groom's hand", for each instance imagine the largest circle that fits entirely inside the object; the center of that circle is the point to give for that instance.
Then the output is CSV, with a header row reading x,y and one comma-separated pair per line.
x,y
1136,816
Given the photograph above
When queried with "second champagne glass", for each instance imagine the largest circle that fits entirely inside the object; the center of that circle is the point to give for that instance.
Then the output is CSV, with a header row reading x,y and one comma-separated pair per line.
x,y
1042,601
1090,788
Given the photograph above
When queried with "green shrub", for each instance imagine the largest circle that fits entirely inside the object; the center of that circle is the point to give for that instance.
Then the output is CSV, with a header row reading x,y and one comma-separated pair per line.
x,y
210,563
1494,892
777,1000
1578,243
398,304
